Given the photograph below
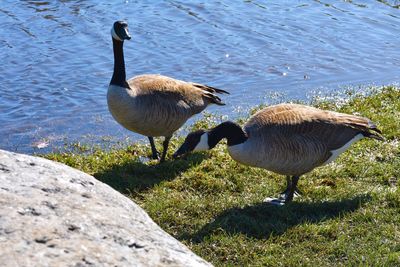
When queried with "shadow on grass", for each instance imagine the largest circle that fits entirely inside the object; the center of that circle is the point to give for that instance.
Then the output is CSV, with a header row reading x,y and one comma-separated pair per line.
x,y
263,219
134,176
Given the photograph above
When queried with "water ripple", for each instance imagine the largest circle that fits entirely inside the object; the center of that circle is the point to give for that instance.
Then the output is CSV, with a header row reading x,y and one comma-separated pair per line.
x,y
57,56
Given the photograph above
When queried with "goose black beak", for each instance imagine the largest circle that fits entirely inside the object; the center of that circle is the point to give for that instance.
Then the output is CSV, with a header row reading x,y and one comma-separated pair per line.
x,y
183,150
126,34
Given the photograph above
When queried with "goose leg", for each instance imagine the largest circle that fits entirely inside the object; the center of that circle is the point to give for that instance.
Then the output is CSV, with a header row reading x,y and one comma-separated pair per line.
x,y
288,186
293,188
165,148
297,192
153,148
286,196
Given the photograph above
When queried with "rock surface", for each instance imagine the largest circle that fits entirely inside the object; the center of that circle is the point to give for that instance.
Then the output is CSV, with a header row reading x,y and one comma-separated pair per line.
x,y
54,215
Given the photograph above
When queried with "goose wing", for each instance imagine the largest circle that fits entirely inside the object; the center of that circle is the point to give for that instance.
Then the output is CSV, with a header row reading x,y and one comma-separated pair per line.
x,y
310,133
173,91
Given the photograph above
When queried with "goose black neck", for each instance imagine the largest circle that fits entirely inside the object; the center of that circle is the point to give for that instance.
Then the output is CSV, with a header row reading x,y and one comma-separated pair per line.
x,y
229,130
119,75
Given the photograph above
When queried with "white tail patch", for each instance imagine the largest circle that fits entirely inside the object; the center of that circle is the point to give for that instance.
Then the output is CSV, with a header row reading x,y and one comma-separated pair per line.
x,y
203,143
114,35
337,152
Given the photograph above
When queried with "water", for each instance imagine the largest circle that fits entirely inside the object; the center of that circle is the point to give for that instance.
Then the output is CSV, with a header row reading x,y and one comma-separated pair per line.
x,y
56,56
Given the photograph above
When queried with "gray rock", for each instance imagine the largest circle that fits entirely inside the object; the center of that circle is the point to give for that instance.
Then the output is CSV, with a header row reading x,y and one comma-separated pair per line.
x,y
54,215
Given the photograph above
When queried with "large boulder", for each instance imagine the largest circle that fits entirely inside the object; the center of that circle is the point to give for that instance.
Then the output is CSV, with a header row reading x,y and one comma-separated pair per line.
x,y
54,215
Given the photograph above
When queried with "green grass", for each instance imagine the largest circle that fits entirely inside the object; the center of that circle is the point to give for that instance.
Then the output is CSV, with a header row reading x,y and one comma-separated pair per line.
x,y
349,214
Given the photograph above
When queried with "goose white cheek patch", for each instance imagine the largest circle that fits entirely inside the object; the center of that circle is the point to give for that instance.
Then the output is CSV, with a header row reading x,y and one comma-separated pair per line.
x,y
114,34
203,144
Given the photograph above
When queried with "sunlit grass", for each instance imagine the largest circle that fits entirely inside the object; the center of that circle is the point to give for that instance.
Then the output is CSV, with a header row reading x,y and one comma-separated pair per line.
x,y
349,214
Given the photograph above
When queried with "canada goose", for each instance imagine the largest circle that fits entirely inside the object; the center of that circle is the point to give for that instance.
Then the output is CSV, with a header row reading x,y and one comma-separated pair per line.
x,y
287,139
153,105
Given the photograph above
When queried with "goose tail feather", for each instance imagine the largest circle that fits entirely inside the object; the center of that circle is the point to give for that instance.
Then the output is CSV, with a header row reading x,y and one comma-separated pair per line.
x,y
213,99
210,89
375,134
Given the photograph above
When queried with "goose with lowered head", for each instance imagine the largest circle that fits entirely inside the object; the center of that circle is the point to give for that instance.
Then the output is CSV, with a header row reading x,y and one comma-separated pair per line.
x,y
288,139
153,105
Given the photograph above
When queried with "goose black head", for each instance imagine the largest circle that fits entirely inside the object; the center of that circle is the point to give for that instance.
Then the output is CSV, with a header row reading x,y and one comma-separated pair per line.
x,y
195,141
120,31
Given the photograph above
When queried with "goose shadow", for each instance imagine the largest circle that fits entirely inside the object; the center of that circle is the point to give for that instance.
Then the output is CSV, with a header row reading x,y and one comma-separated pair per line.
x,y
134,177
262,219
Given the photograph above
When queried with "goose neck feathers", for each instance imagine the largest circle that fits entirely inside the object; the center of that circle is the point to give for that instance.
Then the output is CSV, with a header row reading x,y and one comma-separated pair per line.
x,y
229,130
119,75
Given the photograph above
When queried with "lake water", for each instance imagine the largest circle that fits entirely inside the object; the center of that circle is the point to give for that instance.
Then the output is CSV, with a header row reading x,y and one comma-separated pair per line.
x,y
56,56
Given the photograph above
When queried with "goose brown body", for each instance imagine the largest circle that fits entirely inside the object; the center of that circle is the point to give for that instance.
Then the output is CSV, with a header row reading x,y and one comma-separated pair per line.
x,y
156,105
292,139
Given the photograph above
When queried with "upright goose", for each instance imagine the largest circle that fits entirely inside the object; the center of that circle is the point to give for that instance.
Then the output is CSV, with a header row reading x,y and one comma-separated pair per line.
x,y
287,139
153,105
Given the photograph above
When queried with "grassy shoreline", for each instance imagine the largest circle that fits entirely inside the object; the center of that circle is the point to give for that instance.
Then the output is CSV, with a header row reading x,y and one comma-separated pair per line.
x,y
349,214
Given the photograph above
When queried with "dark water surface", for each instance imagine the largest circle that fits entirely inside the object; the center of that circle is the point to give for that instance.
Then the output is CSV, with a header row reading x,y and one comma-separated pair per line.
x,y
56,56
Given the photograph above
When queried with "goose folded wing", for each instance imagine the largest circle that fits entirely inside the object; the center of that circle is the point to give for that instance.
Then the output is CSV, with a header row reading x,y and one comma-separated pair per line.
x,y
175,92
331,129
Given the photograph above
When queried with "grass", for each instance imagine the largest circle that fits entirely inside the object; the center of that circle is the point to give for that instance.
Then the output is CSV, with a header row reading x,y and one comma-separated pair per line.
x,y
349,214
